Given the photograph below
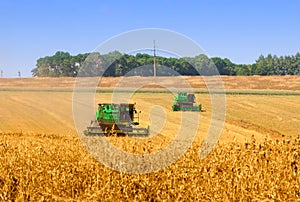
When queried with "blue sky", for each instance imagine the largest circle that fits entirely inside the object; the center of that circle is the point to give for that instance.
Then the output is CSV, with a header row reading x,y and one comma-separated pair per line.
x,y
238,30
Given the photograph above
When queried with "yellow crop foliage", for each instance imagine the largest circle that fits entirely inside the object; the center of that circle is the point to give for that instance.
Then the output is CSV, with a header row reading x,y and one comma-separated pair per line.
x,y
37,167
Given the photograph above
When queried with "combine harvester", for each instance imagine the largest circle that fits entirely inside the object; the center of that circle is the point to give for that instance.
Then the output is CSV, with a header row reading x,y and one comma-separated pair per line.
x,y
116,119
185,102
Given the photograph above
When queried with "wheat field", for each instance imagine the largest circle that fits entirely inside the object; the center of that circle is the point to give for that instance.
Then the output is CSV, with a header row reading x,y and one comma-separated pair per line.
x,y
37,167
256,159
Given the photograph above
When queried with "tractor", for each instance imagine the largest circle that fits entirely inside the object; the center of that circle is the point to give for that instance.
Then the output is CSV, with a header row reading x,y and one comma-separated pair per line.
x,y
116,119
185,102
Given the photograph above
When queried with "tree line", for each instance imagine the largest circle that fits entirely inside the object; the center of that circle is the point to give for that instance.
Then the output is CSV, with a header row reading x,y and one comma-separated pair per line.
x,y
63,64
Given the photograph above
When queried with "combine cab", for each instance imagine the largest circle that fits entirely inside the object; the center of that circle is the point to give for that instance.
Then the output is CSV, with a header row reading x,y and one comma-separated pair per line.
x,y
116,119
185,102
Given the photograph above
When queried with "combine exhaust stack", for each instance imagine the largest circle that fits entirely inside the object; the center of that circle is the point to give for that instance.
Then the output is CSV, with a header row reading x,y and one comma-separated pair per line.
x,y
116,119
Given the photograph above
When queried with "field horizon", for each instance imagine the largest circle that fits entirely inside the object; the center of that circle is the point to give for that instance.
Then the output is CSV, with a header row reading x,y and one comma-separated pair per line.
x,y
290,83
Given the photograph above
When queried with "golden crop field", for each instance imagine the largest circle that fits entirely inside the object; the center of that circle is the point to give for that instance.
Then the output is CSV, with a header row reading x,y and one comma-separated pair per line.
x,y
257,157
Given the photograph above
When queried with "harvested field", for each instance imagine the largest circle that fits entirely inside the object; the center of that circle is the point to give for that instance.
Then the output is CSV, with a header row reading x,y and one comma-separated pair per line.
x,y
257,157
291,83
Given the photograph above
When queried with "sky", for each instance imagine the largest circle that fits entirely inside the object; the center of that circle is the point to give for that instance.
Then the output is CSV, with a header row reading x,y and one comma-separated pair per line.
x,y
235,29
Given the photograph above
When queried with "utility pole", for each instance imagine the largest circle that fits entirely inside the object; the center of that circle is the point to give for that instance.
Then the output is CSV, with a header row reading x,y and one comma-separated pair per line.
x,y
154,62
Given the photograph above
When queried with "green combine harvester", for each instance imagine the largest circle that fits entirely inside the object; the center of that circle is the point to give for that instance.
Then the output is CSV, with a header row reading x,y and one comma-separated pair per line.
x,y
116,119
185,102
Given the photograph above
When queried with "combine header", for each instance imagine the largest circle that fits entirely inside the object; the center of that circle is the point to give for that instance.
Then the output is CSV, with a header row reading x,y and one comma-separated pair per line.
x,y
185,102
116,119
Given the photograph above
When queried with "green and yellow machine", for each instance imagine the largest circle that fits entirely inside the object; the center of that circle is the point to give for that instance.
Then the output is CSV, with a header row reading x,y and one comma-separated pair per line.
x,y
185,102
116,119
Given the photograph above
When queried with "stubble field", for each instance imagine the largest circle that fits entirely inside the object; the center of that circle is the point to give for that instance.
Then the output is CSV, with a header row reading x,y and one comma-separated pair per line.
x,y
257,157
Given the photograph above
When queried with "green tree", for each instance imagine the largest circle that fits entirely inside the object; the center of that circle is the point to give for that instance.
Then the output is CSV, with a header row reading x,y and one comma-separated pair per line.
x,y
93,65
118,64
260,66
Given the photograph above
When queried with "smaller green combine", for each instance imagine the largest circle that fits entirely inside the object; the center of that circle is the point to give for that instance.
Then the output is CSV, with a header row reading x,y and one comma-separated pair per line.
x,y
185,102
116,119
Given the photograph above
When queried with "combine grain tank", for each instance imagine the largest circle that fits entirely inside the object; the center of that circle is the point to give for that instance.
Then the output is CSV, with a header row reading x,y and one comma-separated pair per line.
x,y
116,119
185,102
